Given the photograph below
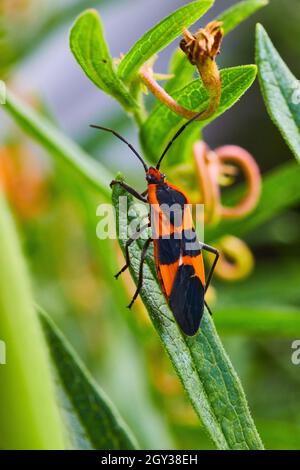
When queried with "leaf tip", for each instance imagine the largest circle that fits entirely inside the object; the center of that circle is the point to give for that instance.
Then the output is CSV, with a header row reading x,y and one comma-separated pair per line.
x,y
89,12
260,30
119,176
253,67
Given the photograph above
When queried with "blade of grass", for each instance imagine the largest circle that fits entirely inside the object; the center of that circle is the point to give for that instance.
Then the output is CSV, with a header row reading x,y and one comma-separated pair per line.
x,y
162,123
29,417
58,145
279,434
280,89
201,362
265,321
160,36
266,303
99,425
271,284
89,48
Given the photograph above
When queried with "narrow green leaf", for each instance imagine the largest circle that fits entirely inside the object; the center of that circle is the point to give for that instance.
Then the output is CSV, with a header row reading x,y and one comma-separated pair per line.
x,y
89,47
95,422
265,303
160,36
29,416
280,89
271,285
265,321
276,196
239,12
281,434
162,123
58,145
201,362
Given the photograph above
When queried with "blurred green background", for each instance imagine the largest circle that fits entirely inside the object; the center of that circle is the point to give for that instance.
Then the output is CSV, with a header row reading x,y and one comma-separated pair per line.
x,y
57,220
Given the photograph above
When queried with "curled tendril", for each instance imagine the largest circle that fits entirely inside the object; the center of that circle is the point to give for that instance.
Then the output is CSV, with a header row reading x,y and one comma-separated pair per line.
x,y
218,168
215,168
207,171
246,163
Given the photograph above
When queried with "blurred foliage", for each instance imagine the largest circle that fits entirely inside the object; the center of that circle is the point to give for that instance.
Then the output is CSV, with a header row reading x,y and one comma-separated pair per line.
x,y
17,42
72,271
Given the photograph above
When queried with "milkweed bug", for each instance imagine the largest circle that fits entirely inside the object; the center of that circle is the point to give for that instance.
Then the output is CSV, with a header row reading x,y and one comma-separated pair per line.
x,y
177,251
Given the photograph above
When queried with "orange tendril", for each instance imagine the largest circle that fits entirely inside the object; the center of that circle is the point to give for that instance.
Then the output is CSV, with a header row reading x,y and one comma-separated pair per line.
x,y
213,170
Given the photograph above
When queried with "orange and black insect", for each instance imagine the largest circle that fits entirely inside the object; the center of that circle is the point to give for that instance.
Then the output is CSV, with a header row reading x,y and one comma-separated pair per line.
x,y
177,251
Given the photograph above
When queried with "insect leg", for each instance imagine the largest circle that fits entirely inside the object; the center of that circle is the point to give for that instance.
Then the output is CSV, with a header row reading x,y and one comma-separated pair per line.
x,y
130,240
140,280
209,310
129,189
213,250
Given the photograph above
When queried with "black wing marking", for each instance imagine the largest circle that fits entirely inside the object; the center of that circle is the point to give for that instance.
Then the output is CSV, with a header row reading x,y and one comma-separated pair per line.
x,y
187,299
171,203
190,243
169,249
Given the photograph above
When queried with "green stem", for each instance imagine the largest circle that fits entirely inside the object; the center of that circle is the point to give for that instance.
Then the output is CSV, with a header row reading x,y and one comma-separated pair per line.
x,y
140,113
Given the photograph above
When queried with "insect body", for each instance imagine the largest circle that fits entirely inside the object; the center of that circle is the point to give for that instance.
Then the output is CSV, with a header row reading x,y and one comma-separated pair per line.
x,y
177,251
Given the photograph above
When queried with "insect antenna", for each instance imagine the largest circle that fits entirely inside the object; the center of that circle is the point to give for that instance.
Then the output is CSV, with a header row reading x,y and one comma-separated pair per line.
x,y
175,137
125,142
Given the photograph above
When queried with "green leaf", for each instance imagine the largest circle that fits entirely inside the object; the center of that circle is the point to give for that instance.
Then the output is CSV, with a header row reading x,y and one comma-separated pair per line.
x,y
271,284
29,416
91,52
274,321
266,303
162,123
239,12
95,422
204,368
58,145
182,70
278,433
160,36
276,196
280,89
